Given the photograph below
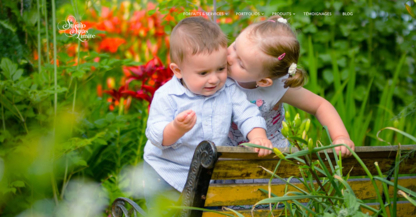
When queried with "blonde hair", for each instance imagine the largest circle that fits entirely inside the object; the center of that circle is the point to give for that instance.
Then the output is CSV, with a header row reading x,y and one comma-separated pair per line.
x,y
275,38
195,35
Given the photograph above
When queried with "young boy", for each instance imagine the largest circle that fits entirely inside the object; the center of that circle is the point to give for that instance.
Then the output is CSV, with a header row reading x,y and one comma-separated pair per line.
x,y
197,104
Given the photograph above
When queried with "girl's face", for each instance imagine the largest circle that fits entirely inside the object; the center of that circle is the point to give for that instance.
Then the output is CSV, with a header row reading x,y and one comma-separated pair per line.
x,y
244,60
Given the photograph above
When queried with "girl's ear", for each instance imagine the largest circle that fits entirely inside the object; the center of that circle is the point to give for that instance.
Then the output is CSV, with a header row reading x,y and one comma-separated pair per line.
x,y
176,70
265,82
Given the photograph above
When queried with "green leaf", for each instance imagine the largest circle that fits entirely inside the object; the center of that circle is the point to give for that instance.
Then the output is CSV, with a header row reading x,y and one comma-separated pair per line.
x,y
7,25
100,123
18,184
251,145
17,74
78,74
110,117
8,67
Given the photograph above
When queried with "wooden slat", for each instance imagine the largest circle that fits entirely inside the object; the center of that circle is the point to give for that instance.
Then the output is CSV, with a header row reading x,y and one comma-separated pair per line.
x,y
250,169
362,151
403,209
248,194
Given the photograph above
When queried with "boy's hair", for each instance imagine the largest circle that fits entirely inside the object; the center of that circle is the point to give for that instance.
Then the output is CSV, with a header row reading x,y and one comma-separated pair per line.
x,y
195,35
275,38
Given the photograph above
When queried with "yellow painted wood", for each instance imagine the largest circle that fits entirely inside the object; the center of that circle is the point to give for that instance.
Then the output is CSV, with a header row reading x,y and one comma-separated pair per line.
x,y
361,151
250,169
248,194
404,209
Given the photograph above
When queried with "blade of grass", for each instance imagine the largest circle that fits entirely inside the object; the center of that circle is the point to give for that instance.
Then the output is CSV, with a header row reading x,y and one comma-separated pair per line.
x,y
328,174
386,96
407,197
337,84
350,113
399,131
385,188
360,129
396,180
39,44
55,68
313,72
339,92
408,191
297,197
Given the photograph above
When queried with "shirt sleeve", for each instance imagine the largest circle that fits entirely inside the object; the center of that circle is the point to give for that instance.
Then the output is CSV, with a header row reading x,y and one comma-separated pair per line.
x,y
161,113
245,114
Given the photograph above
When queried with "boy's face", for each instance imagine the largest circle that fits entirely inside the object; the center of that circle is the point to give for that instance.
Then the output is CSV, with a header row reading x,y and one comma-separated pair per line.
x,y
203,74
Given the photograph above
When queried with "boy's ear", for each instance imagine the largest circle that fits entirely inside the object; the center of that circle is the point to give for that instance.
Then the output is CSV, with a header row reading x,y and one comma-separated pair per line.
x,y
265,82
176,70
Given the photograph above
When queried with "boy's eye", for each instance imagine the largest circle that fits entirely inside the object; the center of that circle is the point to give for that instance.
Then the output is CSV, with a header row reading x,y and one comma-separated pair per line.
x,y
222,68
203,73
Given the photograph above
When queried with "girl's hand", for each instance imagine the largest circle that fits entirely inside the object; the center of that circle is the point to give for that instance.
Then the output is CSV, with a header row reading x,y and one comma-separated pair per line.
x,y
263,142
342,149
185,121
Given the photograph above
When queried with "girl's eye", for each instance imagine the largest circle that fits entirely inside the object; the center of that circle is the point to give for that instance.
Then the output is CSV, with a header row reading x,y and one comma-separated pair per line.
x,y
241,66
203,73
222,68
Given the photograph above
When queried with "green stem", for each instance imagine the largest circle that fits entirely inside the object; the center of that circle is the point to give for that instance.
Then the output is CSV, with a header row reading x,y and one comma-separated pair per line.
x,y
45,11
396,179
65,177
315,176
385,189
370,38
39,44
2,117
21,117
55,69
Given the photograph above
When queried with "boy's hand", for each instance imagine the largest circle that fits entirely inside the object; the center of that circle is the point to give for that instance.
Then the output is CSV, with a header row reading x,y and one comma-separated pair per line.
x,y
263,141
185,120
344,151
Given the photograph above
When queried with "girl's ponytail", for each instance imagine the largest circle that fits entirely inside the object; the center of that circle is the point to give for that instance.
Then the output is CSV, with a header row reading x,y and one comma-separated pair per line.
x,y
296,80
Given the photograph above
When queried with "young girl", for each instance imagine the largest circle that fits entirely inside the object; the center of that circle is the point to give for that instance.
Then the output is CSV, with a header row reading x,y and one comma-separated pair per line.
x,y
263,61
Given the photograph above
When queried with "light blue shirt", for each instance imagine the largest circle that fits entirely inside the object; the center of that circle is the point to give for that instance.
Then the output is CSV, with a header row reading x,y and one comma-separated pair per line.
x,y
214,115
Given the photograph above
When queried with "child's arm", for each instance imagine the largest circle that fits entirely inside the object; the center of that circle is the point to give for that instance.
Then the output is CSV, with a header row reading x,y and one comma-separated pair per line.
x,y
258,136
324,112
249,121
182,123
163,129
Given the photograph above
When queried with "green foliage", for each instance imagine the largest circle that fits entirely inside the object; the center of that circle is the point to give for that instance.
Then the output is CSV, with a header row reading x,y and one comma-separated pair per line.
x,y
337,198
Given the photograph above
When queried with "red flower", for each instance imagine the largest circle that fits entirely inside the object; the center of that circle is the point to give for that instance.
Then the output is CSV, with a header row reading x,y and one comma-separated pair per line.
x,y
111,44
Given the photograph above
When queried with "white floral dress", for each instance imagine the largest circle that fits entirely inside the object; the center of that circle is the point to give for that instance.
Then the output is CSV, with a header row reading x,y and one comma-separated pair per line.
x,y
266,98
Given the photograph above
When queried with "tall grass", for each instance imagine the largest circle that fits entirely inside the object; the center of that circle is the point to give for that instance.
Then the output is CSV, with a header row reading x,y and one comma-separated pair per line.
x,y
362,121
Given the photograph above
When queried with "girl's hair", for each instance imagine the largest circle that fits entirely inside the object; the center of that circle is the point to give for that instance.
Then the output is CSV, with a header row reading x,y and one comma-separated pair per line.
x,y
275,38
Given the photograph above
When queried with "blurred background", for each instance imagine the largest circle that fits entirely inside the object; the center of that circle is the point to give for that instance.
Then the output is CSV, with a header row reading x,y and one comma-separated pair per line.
x,y
77,78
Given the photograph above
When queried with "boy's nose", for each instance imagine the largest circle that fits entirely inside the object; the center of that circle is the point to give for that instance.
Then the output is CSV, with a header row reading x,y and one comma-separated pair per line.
x,y
213,79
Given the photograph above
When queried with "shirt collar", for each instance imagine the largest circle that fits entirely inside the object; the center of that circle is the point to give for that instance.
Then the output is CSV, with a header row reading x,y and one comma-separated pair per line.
x,y
179,89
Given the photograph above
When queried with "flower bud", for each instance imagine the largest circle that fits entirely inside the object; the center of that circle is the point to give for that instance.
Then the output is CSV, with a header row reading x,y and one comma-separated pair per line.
x,y
285,129
287,115
278,153
396,123
302,126
296,121
307,125
310,144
